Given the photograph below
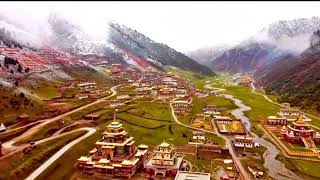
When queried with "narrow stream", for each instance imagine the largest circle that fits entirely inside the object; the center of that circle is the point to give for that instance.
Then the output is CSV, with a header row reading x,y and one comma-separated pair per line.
x,y
276,169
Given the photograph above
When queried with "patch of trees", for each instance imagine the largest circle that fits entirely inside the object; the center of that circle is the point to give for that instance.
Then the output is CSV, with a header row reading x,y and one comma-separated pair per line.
x,y
11,62
15,101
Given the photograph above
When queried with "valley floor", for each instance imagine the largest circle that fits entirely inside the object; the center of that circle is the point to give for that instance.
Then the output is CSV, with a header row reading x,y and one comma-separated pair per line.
x,y
150,122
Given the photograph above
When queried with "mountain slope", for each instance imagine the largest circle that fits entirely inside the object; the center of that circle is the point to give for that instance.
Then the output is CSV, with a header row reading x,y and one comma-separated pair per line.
x,y
151,52
247,58
295,79
72,38
204,56
278,40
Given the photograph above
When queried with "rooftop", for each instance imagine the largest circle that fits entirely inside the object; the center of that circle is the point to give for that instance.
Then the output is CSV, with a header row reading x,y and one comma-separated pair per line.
x,y
164,144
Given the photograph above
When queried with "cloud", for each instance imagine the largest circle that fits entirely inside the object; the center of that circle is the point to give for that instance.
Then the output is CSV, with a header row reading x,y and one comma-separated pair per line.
x,y
182,25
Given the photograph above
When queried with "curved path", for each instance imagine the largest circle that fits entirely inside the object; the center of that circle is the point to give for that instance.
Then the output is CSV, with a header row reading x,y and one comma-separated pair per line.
x,y
243,172
53,158
28,133
276,169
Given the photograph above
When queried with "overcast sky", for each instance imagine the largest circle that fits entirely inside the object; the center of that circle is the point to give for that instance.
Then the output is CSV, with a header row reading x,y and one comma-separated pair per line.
x,y
181,25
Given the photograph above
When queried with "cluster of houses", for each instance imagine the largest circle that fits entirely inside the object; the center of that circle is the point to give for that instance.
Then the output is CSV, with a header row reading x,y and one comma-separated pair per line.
x,y
294,128
162,87
90,90
203,120
117,156
245,80
40,60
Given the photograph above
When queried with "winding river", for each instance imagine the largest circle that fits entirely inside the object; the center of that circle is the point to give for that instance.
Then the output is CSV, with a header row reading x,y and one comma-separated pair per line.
x,y
276,169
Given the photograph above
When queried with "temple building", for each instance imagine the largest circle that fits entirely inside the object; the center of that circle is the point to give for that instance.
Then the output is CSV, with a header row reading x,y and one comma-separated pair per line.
x,y
181,105
273,120
169,81
181,92
300,132
115,155
289,112
223,120
212,110
164,161
166,93
243,141
199,135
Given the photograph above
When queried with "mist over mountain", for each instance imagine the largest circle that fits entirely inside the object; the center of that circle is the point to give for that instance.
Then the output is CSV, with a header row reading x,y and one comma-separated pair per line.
x,y
295,79
120,44
271,44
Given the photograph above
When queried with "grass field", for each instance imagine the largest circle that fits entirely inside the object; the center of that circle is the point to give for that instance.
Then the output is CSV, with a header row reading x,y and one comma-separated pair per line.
x,y
233,127
226,104
21,165
305,169
46,90
149,125
205,165
255,164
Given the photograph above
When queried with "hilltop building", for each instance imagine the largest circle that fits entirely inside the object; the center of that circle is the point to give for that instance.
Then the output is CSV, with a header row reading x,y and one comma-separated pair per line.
x,y
166,93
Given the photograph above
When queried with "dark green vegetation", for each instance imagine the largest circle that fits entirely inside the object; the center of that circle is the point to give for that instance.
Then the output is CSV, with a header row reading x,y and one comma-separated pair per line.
x,y
295,79
21,165
143,47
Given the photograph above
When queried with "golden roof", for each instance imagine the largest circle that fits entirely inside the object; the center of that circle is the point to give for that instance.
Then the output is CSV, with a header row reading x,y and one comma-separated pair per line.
x,y
164,144
103,161
300,120
143,146
83,158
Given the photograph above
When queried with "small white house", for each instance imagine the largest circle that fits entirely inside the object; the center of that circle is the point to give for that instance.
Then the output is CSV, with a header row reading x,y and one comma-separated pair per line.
x,y
2,128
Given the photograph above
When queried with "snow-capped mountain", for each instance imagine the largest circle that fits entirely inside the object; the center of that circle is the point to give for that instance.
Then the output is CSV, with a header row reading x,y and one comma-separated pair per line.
x,y
205,55
295,79
272,43
72,38
147,52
